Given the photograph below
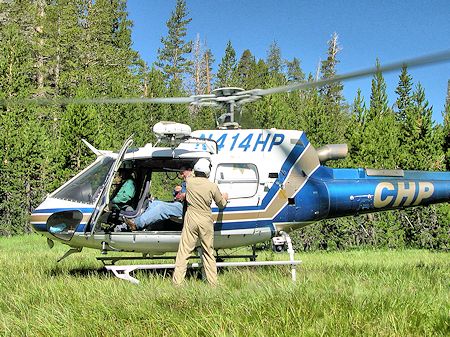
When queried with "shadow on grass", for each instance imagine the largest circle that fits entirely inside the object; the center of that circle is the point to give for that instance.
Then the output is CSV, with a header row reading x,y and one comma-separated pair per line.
x,y
78,272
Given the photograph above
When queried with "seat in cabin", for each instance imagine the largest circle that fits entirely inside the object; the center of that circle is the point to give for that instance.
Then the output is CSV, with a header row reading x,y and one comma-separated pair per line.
x,y
140,202
137,205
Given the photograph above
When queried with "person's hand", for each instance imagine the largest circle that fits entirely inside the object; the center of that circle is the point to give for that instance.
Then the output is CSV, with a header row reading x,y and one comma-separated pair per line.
x,y
177,193
117,180
225,195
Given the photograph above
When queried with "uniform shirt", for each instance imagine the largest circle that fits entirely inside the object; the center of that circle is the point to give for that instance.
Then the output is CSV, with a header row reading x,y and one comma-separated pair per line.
x,y
125,194
200,192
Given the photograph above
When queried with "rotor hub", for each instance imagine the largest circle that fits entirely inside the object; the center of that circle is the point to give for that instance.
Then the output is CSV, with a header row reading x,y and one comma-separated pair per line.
x,y
227,91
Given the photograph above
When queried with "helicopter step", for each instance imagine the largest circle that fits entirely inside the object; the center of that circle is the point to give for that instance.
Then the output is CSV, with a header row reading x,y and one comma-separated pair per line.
x,y
123,272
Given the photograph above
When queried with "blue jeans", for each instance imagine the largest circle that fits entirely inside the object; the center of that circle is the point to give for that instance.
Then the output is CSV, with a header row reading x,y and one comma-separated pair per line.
x,y
157,211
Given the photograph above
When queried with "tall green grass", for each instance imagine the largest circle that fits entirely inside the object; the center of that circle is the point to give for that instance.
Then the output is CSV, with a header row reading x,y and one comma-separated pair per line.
x,y
357,293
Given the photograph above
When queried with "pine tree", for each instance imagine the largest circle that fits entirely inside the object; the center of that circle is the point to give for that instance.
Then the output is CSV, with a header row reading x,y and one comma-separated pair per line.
x,y
70,49
331,113
421,137
172,57
255,115
380,143
418,136
294,71
403,91
331,92
355,131
22,137
274,61
174,62
378,97
379,149
403,113
153,85
106,63
226,67
278,107
244,70
295,100
310,115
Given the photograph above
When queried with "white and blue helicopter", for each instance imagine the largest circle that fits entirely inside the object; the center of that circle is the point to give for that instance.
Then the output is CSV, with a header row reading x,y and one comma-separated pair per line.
x,y
276,180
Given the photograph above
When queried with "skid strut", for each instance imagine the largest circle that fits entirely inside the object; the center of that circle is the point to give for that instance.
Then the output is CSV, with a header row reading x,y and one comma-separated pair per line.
x,y
123,272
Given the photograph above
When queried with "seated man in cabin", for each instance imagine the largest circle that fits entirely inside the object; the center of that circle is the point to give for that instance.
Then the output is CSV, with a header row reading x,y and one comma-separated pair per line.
x,y
125,192
162,210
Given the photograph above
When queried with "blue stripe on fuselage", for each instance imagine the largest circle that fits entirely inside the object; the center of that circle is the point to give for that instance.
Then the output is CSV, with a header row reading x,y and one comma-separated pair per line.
x,y
220,226
54,210
42,227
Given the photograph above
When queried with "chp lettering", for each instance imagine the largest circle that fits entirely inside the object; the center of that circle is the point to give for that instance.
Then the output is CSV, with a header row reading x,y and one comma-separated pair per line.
x,y
402,193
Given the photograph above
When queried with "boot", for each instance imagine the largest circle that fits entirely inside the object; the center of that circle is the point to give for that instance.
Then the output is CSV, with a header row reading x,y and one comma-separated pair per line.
x,y
130,223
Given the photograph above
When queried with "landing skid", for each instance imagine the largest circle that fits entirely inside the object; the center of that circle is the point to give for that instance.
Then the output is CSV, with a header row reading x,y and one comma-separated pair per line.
x,y
123,272
107,260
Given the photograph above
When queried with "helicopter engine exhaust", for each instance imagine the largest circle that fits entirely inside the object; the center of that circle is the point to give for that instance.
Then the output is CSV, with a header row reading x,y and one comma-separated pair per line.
x,y
332,152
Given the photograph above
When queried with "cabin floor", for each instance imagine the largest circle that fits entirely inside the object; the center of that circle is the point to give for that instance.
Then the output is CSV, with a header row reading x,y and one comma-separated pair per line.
x,y
115,223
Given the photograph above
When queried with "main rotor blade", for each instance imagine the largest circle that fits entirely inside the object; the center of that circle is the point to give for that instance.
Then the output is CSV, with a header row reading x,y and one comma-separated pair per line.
x,y
238,97
411,63
84,101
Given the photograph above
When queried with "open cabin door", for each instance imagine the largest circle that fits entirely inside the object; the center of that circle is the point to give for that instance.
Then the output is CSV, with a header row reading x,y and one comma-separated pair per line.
x,y
76,206
103,199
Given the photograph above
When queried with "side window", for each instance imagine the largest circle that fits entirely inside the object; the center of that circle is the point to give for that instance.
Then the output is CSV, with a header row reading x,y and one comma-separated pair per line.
x,y
238,180
64,224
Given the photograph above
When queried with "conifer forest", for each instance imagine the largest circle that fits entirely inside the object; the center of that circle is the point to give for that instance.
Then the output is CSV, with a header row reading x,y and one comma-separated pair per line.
x,y
83,49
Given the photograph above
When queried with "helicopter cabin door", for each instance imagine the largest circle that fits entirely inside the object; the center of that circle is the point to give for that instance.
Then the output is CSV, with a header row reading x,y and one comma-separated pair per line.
x,y
103,200
81,200
241,181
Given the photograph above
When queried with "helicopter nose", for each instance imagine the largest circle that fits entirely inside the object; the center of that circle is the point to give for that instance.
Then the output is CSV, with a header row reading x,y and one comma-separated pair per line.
x,y
62,224
38,221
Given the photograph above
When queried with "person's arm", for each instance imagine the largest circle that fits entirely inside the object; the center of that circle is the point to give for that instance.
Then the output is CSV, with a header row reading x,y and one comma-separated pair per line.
x,y
126,192
220,198
182,195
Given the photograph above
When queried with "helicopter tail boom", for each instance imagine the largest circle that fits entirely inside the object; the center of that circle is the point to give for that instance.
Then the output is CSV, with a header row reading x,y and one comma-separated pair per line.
x,y
364,192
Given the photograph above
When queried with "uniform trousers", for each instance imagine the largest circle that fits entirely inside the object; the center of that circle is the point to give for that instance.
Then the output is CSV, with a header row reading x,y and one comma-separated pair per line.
x,y
197,225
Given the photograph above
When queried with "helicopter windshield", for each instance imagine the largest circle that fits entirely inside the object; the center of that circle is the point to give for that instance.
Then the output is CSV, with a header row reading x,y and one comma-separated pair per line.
x,y
87,186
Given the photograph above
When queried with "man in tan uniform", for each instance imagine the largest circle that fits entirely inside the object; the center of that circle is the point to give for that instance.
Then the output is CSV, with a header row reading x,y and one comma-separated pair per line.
x,y
198,222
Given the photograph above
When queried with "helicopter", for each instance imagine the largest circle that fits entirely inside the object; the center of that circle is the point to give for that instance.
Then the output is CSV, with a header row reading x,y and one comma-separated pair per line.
x,y
276,180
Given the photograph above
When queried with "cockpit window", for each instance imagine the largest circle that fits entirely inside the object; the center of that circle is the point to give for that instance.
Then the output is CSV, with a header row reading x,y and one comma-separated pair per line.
x,y
87,186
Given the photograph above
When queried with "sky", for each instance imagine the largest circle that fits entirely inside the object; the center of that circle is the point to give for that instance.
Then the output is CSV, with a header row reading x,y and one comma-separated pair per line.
x,y
391,31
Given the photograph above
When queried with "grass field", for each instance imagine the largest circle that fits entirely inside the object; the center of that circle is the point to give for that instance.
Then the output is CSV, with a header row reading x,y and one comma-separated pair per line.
x,y
357,293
